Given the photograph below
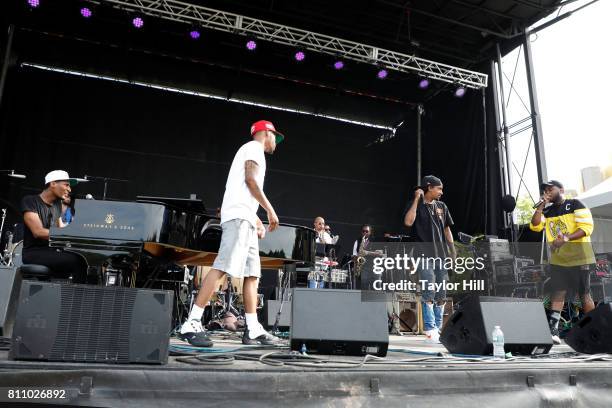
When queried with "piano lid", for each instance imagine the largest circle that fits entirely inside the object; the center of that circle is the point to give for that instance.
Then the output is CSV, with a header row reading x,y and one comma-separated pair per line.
x,y
185,204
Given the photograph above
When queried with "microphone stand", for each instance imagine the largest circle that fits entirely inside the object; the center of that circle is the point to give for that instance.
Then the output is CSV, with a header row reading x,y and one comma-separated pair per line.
x,y
105,180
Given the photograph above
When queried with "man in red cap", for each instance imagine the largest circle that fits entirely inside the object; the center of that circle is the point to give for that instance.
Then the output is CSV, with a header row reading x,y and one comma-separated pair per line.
x,y
239,250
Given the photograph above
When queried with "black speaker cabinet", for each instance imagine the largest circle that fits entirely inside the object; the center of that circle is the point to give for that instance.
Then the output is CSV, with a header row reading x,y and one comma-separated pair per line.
x,y
523,321
84,323
593,333
334,321
10,283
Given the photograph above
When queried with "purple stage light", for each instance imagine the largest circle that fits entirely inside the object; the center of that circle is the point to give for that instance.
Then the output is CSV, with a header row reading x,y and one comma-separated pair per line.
x,y
339,65
34,3
137,22
424,83
251,45
382,74
460,92
195,34
86,12
299,56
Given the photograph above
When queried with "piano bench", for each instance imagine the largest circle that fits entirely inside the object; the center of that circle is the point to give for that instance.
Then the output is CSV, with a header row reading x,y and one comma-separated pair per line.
x,y
32,271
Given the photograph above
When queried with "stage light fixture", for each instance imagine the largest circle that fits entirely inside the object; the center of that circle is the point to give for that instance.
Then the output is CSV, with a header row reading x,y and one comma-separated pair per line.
x,y
34,3
338,65
194,34
86,12
424,83
299,56
382,74
137,22
251,45
460,92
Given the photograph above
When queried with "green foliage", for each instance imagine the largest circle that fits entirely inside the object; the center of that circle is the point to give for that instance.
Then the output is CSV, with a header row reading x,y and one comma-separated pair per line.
x,y
524,210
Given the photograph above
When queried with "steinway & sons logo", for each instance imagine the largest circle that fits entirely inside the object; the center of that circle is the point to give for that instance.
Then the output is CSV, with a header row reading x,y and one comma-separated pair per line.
x,y
109,220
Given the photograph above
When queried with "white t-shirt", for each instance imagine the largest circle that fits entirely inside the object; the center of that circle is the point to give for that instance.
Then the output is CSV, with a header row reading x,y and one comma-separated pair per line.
x,y
237,200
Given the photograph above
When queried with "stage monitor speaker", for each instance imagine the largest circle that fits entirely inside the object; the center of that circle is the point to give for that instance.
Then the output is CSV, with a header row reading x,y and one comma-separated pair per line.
x,y
593,333
10,282
272,307
334,321
523,321
84,323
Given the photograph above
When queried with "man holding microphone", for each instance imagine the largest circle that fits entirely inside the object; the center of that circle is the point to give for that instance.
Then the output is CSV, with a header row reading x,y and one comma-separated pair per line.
x,y
568,224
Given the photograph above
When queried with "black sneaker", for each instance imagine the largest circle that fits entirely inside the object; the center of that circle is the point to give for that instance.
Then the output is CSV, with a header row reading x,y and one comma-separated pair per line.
x,y
193,333
265,339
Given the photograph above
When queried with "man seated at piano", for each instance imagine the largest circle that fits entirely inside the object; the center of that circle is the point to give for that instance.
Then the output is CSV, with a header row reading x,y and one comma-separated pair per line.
x,y
40,212
238,254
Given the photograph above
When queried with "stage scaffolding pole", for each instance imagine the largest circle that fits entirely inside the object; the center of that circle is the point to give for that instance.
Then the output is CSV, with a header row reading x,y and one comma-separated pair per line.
x,y
420,112
536,123
505,138
498,137
6,61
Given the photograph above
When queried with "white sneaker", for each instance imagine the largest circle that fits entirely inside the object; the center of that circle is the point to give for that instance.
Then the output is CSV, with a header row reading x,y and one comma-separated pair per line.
x,y
432,336
556,340
192,326
193,333
259,336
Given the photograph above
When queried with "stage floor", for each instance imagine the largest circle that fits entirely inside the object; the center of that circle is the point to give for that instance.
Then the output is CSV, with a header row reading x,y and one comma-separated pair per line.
x,y
414,373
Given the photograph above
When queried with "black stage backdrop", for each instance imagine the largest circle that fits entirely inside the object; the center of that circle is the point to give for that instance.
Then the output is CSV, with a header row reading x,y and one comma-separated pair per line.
x,y
170,144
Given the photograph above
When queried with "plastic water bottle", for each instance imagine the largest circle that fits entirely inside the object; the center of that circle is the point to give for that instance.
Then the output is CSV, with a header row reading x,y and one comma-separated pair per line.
x,y
498,344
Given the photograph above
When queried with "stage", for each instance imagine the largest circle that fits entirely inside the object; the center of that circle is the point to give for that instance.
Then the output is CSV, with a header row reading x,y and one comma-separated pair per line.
x,y
414,373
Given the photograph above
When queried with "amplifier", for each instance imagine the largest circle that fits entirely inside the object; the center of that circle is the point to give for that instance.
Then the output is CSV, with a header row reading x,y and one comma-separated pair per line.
x,y
503,271
601,289
84,323
496,249
335,321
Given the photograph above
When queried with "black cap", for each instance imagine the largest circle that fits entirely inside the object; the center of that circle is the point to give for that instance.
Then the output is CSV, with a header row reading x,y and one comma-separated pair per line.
x,y
550,183
430,181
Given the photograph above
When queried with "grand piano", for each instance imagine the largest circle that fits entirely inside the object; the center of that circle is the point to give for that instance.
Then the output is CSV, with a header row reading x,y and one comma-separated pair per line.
x,y
118,235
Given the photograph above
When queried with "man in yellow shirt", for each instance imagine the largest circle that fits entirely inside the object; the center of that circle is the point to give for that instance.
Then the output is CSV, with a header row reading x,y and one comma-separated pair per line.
x,y
568,225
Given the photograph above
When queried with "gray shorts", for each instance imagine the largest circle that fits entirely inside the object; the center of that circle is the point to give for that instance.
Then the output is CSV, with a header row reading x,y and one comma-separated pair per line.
x,y
239,250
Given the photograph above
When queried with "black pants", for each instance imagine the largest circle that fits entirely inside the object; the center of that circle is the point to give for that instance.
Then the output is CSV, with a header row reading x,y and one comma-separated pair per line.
x,y
62,264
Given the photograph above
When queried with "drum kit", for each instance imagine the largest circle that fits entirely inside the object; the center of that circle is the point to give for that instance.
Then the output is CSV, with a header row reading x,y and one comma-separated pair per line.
x,y
327,273
227,303
11,255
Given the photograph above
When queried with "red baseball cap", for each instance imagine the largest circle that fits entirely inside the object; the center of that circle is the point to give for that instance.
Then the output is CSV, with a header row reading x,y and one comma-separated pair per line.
x,y
266,125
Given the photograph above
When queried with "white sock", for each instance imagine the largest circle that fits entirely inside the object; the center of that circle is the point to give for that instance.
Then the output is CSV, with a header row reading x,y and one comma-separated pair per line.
x,y
251,320
196,313
255,329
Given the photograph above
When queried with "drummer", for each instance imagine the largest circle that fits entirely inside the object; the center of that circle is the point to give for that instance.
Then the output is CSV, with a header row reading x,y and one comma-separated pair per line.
x,y
323,236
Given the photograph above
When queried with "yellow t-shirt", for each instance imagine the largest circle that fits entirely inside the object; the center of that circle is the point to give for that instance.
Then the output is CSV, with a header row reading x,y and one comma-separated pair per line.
x,y
564,219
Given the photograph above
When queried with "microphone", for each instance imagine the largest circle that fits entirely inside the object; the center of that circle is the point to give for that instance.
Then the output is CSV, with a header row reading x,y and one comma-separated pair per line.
x,y
17,176
81,180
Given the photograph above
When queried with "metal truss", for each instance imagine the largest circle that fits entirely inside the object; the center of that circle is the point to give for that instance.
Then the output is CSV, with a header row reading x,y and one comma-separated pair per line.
x,y
182,12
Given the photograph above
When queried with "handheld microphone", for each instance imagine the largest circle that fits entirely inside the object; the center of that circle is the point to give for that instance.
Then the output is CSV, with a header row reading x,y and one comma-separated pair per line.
x,y
539,203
